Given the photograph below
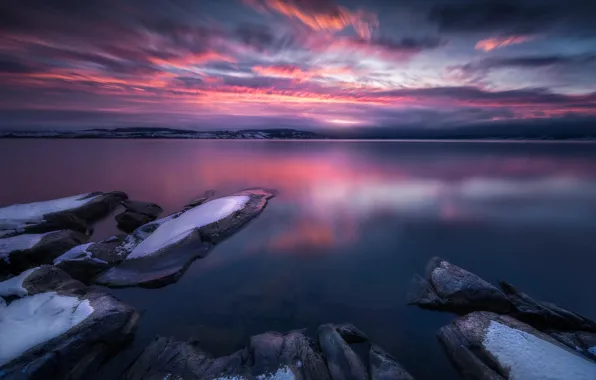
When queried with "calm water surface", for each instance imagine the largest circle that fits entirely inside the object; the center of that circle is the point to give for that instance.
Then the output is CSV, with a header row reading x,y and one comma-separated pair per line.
x,y
352,223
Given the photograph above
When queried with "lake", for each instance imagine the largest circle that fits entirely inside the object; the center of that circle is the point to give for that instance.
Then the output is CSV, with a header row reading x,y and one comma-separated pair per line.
x,y
353,221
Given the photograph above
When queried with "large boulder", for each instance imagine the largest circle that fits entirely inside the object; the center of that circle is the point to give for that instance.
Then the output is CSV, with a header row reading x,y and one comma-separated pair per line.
x,y
269,356
64,213
451,288
488,346
21,252
137,214
158,253
57,328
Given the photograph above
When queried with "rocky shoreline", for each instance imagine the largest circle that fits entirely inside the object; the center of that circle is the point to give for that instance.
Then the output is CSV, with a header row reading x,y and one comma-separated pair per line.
x,y
56,323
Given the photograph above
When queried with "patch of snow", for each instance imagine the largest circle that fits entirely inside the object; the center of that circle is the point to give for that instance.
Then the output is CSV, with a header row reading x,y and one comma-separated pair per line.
x,y
2,302
140,234
30,321
39,209
14,286
19,243
110,239
78,253
528,357
283,373
592,350
177,229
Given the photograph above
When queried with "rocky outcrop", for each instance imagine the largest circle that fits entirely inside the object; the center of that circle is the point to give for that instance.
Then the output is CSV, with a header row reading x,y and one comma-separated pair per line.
x,y
488,346
85,261
57,328
137,213
268,356
57,214
158,253
451,288
21,252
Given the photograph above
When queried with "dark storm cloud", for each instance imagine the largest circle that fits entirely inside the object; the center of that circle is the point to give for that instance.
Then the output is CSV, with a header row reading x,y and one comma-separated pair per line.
x,y
516,17
9,65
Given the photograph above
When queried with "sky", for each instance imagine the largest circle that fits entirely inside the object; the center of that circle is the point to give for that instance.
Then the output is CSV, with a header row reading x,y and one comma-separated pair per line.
x,y
305,64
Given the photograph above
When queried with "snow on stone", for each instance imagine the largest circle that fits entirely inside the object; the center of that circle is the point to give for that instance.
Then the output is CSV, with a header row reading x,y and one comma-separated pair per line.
x,y
19,243
37,210
14,286
283,373
530,358
592,350
29,321
78,253
177,229
2,303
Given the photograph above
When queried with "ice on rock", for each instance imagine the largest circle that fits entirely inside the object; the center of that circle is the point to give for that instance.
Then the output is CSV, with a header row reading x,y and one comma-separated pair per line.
x,y
19,243
78,253
177,229
284,373
30,321
527,357
14,286
37,210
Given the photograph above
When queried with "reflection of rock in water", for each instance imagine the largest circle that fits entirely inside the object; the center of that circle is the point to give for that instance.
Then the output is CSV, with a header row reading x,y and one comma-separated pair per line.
x,y
271,356
58,328
527,339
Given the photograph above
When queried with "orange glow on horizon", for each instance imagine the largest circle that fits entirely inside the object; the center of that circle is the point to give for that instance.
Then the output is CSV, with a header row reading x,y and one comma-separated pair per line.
x,y
493,43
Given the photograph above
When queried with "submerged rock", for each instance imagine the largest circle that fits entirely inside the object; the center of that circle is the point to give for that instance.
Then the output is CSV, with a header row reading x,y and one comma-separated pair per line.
x,y
451,288
158,253
485,345
58,328
57,214
21,252
268,356
137,213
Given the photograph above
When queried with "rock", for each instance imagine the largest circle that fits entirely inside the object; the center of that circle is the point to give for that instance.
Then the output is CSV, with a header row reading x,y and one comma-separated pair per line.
x,y
64,213
488,346
59,328
451,288
130,221
271,356
200,200
21,252
384,367
581,341
342,361
137,213
158,253
543,315
150,209
85,261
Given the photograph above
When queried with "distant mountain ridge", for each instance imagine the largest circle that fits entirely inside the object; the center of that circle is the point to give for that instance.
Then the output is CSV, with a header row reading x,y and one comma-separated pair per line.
x,y
167,133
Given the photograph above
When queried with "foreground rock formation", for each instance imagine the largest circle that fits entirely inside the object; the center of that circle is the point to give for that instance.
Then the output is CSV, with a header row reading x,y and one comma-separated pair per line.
x,y
158,253
136,214
70,213
508,334
485,345
270,356
54,327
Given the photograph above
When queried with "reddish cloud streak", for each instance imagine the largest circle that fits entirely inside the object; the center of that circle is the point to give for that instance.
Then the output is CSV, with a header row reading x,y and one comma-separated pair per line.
x,y
493,43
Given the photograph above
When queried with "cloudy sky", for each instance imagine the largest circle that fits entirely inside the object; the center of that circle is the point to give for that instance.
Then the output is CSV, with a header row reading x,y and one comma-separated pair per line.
x,y
230,64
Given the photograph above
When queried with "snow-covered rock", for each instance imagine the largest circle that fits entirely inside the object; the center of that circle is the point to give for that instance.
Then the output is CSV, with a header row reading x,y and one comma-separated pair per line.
x,y
268,356
484,345
59,328
64,213
21,252
158,253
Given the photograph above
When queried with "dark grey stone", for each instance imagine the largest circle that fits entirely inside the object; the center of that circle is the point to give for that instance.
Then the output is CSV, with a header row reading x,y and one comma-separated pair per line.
x,y
129,221
384,367
50,246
